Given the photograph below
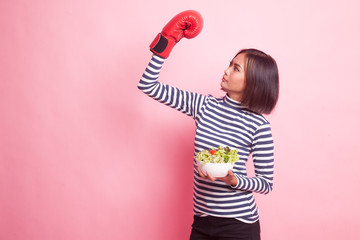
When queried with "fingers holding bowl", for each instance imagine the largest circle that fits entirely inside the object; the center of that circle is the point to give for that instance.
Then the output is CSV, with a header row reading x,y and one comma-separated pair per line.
x,y
205,175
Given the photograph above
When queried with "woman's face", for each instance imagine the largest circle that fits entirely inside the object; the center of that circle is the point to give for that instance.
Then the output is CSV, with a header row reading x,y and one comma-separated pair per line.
x,y
233,81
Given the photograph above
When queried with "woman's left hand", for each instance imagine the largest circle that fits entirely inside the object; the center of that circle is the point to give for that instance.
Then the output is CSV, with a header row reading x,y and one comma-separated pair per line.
x,y
229,179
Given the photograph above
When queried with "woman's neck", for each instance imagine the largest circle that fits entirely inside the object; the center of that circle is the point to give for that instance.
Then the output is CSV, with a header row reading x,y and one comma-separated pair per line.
x,y
237,97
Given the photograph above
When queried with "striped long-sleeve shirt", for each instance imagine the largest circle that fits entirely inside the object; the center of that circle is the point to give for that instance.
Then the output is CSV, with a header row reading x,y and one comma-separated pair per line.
x,y
221,121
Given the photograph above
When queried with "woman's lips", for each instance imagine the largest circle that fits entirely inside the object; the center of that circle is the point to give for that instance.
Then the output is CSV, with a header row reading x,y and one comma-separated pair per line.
x,y
223,79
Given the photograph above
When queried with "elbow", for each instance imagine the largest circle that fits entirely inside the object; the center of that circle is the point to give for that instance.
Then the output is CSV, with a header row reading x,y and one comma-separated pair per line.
x,y
139,86
142,87
269,187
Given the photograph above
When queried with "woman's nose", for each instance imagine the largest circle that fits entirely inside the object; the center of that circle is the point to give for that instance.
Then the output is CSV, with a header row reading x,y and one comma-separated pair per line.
x,y
226,70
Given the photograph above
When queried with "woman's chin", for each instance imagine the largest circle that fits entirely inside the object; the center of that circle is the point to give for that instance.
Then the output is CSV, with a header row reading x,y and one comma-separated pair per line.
x,y
221,87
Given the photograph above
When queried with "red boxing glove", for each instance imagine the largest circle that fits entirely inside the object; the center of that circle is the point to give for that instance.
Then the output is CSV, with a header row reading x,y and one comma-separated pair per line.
x,y
186,24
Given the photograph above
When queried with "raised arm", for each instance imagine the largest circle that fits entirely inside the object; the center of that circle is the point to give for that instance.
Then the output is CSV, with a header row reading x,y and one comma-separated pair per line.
x,y
184,101
186,24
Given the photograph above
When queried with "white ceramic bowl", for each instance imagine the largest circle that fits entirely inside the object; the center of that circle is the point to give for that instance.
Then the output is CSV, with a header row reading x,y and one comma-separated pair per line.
x,y
216,169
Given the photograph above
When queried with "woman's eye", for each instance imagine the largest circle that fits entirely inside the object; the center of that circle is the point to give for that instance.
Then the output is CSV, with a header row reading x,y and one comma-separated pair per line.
x,y
236,69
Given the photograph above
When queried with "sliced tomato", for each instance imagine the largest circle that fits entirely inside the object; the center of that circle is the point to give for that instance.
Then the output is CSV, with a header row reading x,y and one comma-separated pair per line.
x,y
213,152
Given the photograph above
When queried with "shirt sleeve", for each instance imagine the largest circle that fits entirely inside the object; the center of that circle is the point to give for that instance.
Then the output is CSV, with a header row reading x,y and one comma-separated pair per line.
x,y
263,159
184,101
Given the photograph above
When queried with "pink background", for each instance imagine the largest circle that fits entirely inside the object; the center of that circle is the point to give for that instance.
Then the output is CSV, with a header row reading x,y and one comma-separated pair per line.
x,y
85,155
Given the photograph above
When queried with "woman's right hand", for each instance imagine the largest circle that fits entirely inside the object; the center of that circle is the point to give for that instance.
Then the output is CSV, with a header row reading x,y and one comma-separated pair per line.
x,y
186,24
205,175
229,179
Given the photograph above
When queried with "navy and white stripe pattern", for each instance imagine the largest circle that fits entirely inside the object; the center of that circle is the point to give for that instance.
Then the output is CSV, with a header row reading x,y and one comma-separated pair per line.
x,y
221,121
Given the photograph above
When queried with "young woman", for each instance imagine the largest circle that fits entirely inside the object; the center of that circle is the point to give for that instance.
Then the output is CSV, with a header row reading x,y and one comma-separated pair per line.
x,y
224,208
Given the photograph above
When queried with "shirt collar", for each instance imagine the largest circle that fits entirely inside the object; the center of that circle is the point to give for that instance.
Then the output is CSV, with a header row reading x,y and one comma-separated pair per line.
x,y
232,102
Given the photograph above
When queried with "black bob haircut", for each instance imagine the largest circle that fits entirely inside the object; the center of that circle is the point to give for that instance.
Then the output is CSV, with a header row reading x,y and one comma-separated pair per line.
x,y
261,91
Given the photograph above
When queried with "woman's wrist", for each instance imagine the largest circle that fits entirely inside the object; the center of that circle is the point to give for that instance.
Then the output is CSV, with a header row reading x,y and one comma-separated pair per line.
x,y
234,182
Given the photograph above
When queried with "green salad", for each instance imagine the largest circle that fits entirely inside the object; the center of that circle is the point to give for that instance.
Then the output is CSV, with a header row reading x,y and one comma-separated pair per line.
x,y
220,155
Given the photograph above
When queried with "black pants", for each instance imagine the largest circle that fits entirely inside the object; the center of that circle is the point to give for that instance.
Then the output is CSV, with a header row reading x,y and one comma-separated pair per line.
x,y
215,228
